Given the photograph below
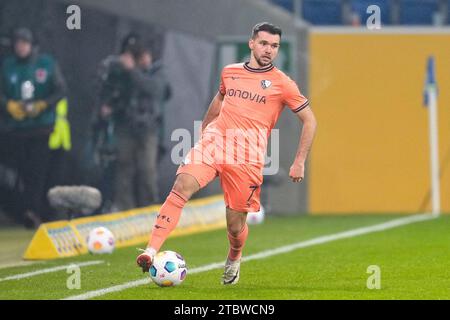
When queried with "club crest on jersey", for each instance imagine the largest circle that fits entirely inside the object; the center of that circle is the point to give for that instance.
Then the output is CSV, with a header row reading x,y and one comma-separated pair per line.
x,y
41,75
265,84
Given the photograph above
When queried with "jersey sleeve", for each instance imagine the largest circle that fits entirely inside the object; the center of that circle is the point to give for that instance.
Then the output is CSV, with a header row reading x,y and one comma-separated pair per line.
x,y
222,88
293,98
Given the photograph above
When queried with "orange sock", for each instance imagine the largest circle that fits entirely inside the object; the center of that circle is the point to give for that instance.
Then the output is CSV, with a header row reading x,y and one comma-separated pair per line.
x,y
237,244
167,219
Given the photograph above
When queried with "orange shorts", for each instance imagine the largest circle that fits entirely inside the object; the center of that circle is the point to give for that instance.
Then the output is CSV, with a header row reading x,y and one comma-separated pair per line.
x,y
241,183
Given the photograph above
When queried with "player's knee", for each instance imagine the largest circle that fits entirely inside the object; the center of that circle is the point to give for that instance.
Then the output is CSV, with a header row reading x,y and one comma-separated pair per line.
x,y
186,185
235,221
235,228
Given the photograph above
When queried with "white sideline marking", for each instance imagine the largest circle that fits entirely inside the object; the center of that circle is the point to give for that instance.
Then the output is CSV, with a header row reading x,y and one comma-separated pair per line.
x,y
20,264
268,253
48,270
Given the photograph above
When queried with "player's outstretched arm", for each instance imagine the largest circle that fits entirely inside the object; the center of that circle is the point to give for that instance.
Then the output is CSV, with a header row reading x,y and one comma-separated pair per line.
x,y
297,170
213,110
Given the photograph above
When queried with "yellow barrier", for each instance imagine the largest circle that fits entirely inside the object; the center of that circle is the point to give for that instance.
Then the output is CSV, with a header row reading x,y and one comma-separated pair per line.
x,y
371,152
67,238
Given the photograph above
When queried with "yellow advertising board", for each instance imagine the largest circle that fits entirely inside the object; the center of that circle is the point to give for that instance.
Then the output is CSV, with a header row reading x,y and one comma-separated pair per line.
x,y
371,152
68,238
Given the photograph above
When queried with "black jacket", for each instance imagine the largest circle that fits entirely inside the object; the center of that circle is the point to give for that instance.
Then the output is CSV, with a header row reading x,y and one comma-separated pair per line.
x,y
136,96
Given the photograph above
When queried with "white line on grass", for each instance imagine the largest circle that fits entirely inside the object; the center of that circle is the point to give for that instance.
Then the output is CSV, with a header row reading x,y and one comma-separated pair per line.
x,y
48,270
268,253
20,264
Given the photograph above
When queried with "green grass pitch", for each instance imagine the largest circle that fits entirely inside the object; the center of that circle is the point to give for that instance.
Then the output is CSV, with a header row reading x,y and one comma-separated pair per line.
x,y
414,260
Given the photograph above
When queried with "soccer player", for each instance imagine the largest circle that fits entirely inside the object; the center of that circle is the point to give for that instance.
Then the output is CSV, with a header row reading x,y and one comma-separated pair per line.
x,y
250,99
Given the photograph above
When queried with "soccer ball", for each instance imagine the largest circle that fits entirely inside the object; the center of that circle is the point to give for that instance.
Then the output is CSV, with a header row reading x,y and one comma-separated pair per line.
x,y
168,269
100,240
256,217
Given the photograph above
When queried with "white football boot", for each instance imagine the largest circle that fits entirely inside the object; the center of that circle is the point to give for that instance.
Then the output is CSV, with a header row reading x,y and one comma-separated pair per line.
x,y
231,273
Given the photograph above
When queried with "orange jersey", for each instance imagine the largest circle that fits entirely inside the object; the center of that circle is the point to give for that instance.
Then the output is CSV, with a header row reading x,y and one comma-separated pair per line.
x,y
253,101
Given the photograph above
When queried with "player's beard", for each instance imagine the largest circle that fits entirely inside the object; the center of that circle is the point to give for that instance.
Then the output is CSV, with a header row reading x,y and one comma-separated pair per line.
x,y
260,62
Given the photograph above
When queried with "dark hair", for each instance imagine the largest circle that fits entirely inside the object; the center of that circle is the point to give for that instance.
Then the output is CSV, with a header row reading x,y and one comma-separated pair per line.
x,y
266,26
23,34
130,42
137,50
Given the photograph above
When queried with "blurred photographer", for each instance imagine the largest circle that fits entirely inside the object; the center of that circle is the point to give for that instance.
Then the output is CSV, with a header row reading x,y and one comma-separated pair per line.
x,y
130,117
31,84
146,121
113,97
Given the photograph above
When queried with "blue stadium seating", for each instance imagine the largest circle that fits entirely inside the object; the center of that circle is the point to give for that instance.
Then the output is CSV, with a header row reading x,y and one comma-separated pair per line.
x,y
418,12
360,7
322,12
448,12
329,12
